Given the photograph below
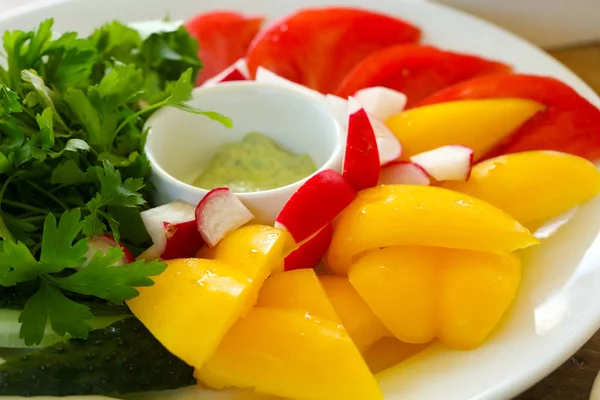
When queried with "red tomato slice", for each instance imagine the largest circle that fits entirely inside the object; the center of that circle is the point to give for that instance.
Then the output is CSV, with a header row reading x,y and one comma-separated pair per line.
x,y
417,71
317,47
224,38
569,124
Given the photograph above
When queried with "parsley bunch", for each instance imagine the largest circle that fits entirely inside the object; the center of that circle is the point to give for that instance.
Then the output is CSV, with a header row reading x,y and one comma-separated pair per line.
x,y
72,112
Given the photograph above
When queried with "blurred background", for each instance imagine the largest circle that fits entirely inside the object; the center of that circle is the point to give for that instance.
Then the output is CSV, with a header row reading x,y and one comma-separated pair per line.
x,y
567,29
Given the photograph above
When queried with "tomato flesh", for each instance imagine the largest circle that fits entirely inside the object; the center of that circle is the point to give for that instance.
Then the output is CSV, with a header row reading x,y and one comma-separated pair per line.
x,y
224,38
317,47
415,70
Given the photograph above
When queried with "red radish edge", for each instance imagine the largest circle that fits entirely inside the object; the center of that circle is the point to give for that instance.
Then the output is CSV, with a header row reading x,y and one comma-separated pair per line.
x,y
103,243
388,145
404,173
361,160
174,213
310,253
236,72
234,75
183,240
219,213
446,163
315,204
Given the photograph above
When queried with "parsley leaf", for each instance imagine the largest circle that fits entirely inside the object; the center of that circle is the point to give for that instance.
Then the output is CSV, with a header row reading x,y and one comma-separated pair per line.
x,y
49,303
58,248
68,173
112,192
103,279
17,264
63,248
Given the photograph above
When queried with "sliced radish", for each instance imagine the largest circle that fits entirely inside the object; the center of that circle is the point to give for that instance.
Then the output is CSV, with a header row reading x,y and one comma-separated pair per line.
x,y
381,102
361,161
447,163
173,213
183,240
403,173
389,147
264,75
236,72
151,253
103,243
219,213
315,204
310,253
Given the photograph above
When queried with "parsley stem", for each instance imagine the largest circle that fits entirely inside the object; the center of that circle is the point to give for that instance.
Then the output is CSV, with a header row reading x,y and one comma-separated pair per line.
x,y
48,194
24,206
137,114
33,219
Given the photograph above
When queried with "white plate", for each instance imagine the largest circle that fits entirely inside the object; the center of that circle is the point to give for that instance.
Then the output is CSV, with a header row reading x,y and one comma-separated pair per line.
x,y
557,308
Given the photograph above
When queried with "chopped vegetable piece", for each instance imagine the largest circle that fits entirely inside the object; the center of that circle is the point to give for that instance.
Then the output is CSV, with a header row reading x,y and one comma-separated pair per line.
x,y
298,290
363,326
569,123
219,213
224,38
478,124
122,358
320,58
311,252
421,293
290,354
196,301
416,70
394,215
542,184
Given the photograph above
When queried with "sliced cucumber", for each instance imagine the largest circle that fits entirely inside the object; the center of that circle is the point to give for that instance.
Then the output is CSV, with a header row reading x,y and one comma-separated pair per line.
x,y
10,326
122,358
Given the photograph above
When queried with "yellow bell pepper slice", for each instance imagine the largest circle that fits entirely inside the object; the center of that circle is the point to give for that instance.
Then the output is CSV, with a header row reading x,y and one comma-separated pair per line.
x,y
252,244
297,290
406,300
476,289
290,354
532,186
397,215
421,293
479,124
360,322
194,302
389,352
191,306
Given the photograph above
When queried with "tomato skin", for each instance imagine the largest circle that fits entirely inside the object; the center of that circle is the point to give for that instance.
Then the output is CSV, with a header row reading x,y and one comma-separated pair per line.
x,y
224,38
570,123
416,70
317,47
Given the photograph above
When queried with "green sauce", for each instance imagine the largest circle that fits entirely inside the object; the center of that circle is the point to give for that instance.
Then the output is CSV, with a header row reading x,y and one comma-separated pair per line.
x,y
254,164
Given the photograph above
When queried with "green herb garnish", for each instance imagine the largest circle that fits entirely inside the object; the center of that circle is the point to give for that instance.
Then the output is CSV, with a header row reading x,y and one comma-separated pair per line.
x,y
72,112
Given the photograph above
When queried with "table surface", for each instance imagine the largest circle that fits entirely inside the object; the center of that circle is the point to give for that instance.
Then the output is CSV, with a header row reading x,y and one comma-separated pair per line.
x,y
574,379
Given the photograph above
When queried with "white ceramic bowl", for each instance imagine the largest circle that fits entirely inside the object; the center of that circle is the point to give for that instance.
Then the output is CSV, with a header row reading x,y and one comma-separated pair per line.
x,y
181,145
557,308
